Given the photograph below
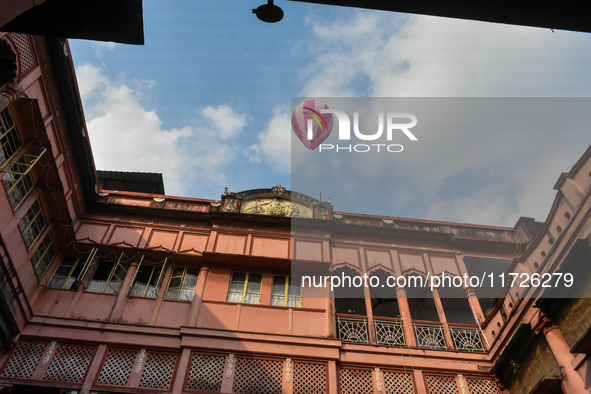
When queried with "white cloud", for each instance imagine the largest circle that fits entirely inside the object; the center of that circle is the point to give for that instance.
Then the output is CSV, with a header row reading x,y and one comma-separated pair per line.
x,y
274,143
481,176
89,79
106,45
228,122
441,57
125,136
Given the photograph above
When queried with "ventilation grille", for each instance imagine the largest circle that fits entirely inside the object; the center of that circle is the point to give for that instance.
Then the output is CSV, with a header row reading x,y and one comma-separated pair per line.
x,y
69,364
482,386
437,384
206,373
398,383
24,360
254,376
117,367
309,378
356,381
158,371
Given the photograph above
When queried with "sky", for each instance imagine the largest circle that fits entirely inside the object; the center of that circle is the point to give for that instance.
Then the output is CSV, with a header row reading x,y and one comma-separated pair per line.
x,y
207,103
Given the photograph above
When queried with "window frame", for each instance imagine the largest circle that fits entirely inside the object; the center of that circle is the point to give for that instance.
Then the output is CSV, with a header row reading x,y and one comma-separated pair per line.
x,y
287,286
18,187
122,262
9,134
182,284
36,223
157,284
76,263
36,261
82,262
245,291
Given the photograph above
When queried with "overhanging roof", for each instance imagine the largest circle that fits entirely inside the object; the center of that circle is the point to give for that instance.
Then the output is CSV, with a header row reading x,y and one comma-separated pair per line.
x,y
102,20
562,15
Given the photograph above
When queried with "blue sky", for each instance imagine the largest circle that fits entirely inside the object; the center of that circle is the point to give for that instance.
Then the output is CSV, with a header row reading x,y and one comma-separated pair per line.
x,y
207,100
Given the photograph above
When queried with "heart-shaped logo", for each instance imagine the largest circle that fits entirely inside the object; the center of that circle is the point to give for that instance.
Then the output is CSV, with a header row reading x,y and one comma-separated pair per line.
x,y
311,126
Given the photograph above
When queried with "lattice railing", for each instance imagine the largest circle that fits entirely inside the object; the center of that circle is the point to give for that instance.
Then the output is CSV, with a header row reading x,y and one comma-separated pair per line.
x,y
356,381
430,336
353,330
256,376
467,338
439,384
309,378
206,373
389,333
117,367
158,370
482,386
24,360
69,364
398,383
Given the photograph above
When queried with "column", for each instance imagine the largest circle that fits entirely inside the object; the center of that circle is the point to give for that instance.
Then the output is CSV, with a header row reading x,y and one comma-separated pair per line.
x,y
409,331
369,313
571,380
124,292
473,301
198,297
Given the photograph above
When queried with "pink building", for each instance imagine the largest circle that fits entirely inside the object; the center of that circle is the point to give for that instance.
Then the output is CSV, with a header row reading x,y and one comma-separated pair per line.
x,y
109,286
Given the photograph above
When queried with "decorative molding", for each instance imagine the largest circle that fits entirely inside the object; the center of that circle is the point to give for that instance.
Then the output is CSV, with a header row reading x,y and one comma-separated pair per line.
x,y
230,365
49,352
288,370
140,361
462,384
379,379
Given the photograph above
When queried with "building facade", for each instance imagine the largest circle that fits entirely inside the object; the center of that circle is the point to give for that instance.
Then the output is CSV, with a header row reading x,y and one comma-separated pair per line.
x,y
122,291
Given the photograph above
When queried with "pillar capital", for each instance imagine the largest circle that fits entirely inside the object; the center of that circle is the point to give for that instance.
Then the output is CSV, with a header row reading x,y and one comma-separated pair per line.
x,y
543,325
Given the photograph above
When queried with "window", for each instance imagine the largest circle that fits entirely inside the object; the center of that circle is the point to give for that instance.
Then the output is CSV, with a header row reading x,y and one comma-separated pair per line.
x,y
421,304
287,291
109,276
17,187
456,305
43,256
147,280
349,299
66,275
9,140
182,284
383,299
32,224
17,180
245,287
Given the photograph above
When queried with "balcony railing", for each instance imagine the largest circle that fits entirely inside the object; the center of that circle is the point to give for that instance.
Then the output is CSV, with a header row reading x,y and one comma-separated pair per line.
x,y
467,338
389,333
430,336
353,329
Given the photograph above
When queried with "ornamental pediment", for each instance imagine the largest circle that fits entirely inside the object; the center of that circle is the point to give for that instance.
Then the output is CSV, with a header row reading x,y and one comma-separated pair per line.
x,y
276,207
276,201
